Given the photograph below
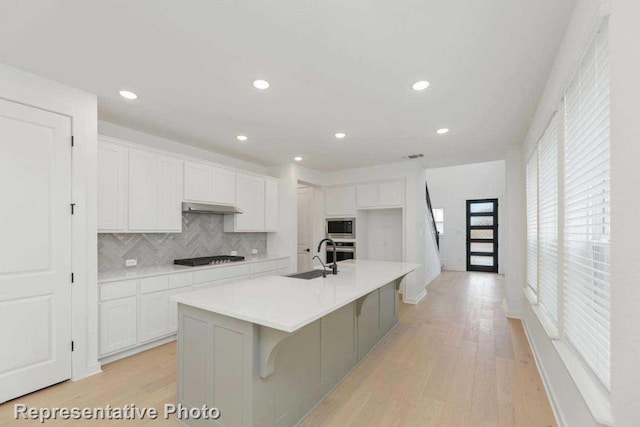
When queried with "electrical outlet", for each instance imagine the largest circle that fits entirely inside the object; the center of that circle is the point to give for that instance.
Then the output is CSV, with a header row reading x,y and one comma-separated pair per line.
x,y
234,253
254,251
131,262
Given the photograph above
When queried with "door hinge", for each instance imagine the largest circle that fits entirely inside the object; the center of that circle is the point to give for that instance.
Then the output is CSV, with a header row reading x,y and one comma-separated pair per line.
x,y
72,278
73,346
72,141
73,208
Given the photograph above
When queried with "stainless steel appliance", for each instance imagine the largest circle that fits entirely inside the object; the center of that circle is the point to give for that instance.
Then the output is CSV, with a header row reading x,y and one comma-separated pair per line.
x,y
343,251
341,228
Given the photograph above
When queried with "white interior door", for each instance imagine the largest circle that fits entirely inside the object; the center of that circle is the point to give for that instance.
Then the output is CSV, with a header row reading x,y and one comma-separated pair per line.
x,y
35,249
304,229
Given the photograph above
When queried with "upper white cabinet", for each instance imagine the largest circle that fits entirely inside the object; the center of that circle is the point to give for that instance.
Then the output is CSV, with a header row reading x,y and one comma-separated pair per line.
x,y
112,187
198,180
379,195
271,205
250,198
340,201
209,184
154,192
141,191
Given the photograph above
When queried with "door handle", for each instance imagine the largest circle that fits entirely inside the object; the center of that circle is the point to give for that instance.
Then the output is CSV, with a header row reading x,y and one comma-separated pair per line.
x,y
308,250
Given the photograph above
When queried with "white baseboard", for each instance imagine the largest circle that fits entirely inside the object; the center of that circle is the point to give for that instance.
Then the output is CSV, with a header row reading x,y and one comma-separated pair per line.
x,y
545,380
510,314
416,300
135,350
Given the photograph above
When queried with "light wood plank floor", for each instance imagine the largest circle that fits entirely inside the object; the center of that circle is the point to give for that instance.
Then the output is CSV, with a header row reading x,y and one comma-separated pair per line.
x,y
454,360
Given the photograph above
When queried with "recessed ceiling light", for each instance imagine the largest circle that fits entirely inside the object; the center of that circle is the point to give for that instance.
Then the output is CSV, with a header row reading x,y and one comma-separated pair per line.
x,y
420,85
242,137
340,135
261,84
128,94
297,159
442,131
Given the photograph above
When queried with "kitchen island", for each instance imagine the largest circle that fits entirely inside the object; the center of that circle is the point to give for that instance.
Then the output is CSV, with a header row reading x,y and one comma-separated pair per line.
x,y
266,351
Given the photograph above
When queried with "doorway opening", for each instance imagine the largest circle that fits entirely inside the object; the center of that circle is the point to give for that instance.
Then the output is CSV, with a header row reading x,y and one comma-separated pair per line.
x,y
482,235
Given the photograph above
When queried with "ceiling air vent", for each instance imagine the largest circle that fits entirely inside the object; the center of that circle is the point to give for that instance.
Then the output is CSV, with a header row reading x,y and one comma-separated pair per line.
x,y
414,156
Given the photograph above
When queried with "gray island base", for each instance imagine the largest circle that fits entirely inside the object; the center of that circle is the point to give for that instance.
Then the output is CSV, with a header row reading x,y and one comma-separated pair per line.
x,y
258,375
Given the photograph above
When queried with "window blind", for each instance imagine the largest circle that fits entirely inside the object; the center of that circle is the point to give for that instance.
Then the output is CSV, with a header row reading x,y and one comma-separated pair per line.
x,y
532,222
586,302
548,221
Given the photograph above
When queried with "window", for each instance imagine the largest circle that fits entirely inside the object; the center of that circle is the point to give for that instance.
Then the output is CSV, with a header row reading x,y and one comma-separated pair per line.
x,y
532,222
587,284
438,217
548,221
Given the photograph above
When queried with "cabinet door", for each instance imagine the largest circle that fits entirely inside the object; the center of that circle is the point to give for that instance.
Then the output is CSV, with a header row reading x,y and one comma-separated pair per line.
x,y
390,193
224,186
154,315
143,190
271,206
169,209
367,195
332,201
172,311
250,196
112,187
348,201
368,321
198,180
117,324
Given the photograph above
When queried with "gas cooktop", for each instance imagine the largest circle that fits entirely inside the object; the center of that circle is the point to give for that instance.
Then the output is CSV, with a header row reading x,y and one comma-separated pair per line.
x,y
205,260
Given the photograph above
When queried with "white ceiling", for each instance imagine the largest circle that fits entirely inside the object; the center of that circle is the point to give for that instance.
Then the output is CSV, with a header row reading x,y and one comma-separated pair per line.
x,y
333,66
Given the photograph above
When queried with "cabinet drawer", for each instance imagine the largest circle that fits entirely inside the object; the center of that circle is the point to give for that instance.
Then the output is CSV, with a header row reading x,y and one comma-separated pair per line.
x,y
154,284
109,291
180,280
262,267
220,273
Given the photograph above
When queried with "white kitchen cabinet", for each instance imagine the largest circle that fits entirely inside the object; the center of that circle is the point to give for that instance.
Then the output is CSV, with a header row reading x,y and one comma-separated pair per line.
x,y
172,311
367,195
224,186
379,195
112,187
390,193
118,324
209,184
271,205
154,192
340,201
198,179
154,316
250,198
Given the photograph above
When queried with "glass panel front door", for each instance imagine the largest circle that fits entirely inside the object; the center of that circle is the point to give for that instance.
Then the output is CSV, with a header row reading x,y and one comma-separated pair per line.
x,y
482,235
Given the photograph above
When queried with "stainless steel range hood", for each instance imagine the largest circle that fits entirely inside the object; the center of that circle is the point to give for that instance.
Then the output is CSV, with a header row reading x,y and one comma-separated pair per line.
x,y
209,208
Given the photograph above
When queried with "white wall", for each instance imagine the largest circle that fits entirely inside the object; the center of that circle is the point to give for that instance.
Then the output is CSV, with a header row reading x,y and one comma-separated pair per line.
x,y
32,90
625,208
450,188
515,238
380,234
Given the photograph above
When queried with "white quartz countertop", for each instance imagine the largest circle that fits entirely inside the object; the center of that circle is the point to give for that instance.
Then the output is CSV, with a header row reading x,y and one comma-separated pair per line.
x,y
139,273
289,304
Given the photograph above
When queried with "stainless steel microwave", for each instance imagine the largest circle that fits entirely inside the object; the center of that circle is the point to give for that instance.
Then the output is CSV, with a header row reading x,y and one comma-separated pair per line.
x,y
341,228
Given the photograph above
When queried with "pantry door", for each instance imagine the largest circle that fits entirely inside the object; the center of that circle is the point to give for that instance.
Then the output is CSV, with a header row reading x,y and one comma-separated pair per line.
x,y
35,249
482,235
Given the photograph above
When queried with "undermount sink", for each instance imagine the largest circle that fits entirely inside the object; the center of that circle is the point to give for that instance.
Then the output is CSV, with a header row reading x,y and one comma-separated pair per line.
x,y
307,275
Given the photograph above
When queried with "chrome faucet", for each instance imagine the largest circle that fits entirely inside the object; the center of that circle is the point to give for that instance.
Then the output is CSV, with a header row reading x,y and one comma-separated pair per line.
x,y
334,267
324,267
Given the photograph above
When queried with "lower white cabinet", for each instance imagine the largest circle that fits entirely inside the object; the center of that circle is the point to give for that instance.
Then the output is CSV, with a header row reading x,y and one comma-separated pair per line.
x,y
138,312
154,316
118,324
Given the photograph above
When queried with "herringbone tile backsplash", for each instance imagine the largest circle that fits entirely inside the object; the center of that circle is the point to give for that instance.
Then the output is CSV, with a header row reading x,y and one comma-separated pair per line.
x,y
202,235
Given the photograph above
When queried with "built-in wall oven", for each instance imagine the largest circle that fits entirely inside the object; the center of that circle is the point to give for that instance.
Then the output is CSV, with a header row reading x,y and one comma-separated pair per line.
x,y
343,251
341,228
